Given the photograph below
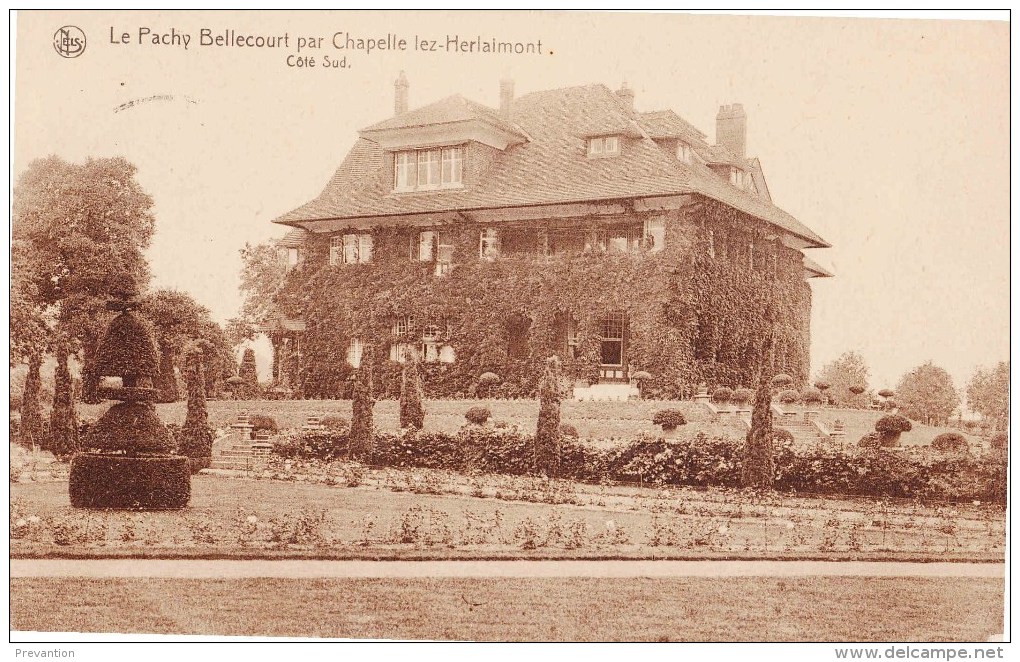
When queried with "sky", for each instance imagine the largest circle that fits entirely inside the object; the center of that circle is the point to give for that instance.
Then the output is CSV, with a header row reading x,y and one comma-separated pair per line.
x,y
889,138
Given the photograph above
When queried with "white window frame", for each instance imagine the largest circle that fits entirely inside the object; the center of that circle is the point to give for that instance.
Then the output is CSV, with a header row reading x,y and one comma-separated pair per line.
x,y
444,254
429,169
655,234
430,343
604,146
684,152
488,244
355,350
423,247
336,250
403,326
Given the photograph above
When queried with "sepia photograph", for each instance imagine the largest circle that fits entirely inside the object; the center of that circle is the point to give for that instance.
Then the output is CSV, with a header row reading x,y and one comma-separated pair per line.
x,y
510,326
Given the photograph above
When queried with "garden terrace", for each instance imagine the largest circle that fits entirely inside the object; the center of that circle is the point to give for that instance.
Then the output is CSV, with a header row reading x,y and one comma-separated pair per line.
x,y
348,511
593,420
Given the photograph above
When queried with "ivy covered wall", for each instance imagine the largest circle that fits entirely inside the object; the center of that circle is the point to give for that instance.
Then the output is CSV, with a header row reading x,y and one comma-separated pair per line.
x,y
694,308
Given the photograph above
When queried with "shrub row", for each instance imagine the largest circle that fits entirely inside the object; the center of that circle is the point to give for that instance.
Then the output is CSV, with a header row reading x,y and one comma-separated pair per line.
x,y
698,461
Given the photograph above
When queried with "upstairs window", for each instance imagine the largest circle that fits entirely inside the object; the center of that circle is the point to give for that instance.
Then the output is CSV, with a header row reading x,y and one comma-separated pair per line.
x,y
433,246
350,249
604,146
355,350
488,244
684,152
428,169
655,234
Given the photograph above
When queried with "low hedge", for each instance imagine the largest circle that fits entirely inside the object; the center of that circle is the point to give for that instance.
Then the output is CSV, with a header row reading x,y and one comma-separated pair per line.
x,y
698,461
136,483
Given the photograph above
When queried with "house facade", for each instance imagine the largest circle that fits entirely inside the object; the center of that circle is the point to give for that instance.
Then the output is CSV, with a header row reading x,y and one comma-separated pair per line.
x,y
566,222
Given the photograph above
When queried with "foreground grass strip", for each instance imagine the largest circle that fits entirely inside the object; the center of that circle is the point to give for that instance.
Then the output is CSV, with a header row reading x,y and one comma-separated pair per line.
x,y
199,569
731,609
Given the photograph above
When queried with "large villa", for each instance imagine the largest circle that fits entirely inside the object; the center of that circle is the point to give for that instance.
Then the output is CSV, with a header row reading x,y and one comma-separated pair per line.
x,y
477,239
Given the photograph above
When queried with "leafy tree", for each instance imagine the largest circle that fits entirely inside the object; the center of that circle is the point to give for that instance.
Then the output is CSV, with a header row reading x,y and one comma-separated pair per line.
x,y
927,394
547,435
262,276
843,374
988,393
85,227
248,373
178,319
412,412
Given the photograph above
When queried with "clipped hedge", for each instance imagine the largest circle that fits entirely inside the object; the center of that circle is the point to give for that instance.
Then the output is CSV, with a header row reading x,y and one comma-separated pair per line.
x,y
698,461
129,427
137,483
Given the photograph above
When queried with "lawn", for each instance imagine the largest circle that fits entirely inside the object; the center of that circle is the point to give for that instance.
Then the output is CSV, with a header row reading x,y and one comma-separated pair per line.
x,y
593,420
860,422
592,609
391,513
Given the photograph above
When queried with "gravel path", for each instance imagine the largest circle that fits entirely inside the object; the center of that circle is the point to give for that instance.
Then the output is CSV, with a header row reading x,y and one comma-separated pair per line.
x,y
308,569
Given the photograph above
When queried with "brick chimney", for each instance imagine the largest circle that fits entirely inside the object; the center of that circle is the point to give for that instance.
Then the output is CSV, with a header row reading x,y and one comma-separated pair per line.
x,y
731,129
400,98
626,94
506,96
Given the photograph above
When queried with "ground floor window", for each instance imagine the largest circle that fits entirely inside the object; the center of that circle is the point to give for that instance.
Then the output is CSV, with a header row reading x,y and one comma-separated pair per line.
x,y
612,339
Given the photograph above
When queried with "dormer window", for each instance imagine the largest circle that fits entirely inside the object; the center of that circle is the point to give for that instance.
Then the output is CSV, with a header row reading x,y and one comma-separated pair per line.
x,y
737,177
604,146
428,169
684,152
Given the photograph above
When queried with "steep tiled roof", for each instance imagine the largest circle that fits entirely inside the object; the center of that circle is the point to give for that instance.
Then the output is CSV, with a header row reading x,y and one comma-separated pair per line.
x,y
552,167
451,109
667,124
293,239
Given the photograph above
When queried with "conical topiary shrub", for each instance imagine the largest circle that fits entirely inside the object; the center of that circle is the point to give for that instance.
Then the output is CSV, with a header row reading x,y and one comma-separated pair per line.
x,y
412,411
128,461
547,434
196,435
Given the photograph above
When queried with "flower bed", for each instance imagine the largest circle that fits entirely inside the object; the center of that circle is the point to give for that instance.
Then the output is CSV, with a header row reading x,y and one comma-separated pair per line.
x,y
345,510
915,473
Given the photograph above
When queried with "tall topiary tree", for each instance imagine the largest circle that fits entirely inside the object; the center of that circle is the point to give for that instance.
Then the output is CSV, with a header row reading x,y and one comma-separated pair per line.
x,y
62,438
412,411
758,467
31,414
362,427
248,373
196,435
129,463
547,436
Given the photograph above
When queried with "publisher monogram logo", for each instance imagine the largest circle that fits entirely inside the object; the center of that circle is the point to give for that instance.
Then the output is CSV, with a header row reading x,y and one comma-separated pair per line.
x,y
69,41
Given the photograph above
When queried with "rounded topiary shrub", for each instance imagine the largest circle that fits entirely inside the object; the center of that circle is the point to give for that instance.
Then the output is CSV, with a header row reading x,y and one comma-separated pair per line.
x,y
722,395
488,379
886,393
857,390
128,349
822,385
812,396
136,483
568,430
742,396
999,441
129,427
263,423
789,396
950,442
669,419
782,380
894,423
477,415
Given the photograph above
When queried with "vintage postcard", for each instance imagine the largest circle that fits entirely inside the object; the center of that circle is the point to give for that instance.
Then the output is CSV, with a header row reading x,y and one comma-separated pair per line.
x,y
510,326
